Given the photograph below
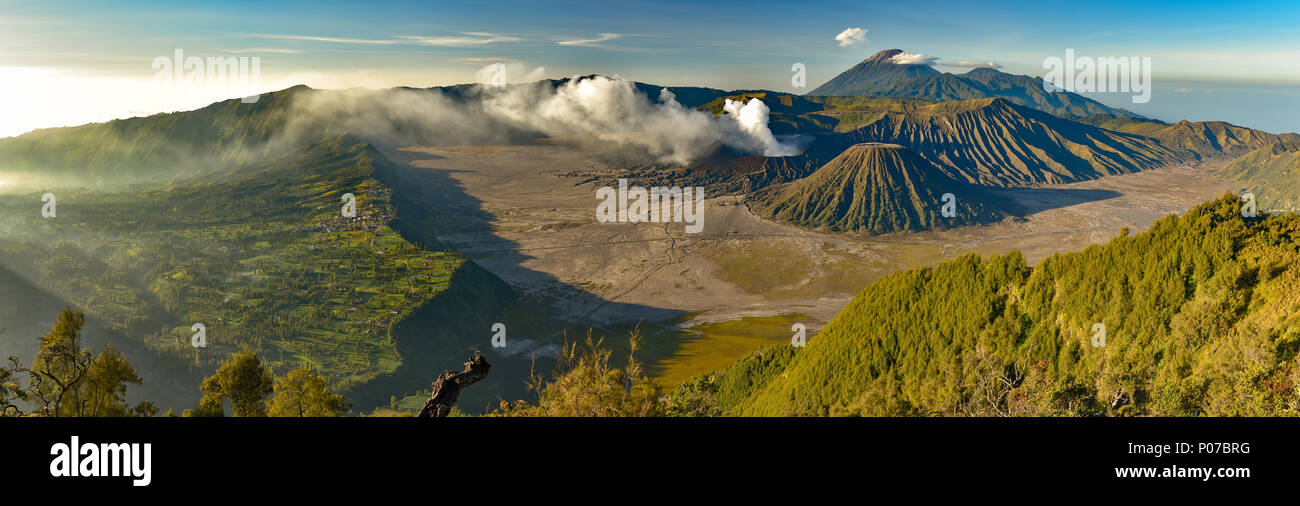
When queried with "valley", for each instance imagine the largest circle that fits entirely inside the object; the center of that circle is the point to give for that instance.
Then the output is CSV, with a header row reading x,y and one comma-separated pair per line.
x,y
521,213
512,247
229,216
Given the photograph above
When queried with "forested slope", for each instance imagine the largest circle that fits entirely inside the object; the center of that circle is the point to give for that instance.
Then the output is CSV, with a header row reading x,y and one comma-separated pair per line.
x,y
1201,316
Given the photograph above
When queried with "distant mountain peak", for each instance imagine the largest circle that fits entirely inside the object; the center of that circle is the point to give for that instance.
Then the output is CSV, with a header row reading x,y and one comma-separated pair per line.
x,y
879,76
878,71
884,55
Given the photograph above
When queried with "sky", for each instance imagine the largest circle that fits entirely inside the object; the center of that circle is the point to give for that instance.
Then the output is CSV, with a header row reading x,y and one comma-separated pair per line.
x,y
73,62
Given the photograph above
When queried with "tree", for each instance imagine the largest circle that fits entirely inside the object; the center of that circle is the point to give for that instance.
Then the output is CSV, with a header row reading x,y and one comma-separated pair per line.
x,y
11,390
103,393
68,380
60,366
243,381
301,393
146,409
586,384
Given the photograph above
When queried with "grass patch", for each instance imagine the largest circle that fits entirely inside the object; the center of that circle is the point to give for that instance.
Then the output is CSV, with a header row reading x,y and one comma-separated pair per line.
x,y
711,346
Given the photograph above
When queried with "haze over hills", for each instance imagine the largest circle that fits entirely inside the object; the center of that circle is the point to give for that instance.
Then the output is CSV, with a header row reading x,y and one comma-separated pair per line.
x,y
875,188
162,147
989,141
229,215
259,254
879,76
1205,139
221,137
867,164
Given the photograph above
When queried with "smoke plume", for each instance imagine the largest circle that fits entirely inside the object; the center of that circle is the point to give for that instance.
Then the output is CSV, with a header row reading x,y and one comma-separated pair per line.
x,y
611,109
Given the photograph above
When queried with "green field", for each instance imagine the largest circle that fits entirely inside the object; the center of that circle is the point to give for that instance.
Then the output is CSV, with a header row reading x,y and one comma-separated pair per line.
x,y
712,346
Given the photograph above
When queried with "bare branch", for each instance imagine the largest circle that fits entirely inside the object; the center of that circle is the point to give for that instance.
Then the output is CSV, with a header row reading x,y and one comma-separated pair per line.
x,y
446,389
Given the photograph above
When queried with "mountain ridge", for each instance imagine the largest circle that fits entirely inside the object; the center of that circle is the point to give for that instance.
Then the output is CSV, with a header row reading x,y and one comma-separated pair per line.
x,y
994,141
1272,173
878,77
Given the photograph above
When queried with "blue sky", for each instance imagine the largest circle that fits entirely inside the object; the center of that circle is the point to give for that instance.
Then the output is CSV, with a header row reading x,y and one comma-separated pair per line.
x,y
1238,62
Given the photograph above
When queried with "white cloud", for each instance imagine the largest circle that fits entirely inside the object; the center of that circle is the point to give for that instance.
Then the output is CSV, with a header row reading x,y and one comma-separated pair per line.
x,y
480,60
339,40
910,58
465,39
611,109
973,64
263,50
462,40
602,37
851,36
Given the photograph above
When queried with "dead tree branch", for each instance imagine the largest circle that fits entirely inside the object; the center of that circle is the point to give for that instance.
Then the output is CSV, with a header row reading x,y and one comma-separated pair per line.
x,y
447,387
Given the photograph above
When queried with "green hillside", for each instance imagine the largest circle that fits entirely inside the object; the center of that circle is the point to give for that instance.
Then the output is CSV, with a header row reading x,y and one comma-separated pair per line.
x,y
162,147
1202,139
993,141
1201,316
262,258
1272,173
1215,138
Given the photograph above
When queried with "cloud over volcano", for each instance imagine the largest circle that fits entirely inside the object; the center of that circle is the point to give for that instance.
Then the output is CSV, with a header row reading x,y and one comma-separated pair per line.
x,y
607,108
